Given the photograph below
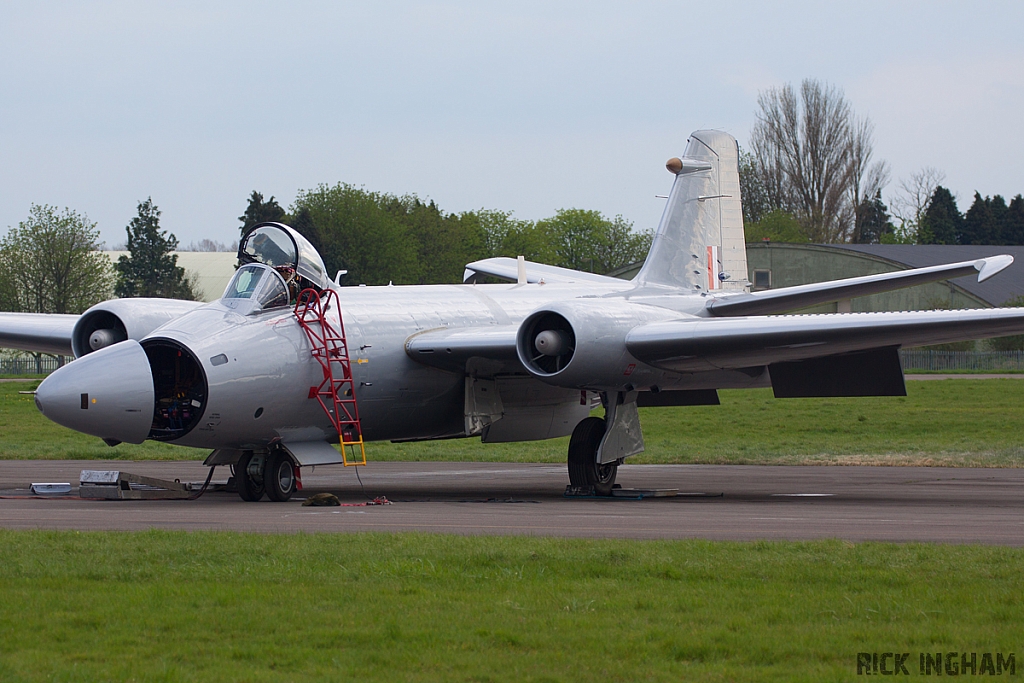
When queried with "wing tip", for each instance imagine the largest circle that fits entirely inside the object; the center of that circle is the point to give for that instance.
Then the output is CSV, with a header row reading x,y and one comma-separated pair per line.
x,y
987,267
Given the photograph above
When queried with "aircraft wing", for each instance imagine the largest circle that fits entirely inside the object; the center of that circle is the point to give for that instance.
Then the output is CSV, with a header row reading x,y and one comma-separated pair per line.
x,y
697,344
37,332
800,296
507,269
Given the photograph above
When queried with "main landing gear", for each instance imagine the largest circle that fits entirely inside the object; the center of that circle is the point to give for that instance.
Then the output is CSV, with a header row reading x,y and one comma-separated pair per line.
x,y
585,473
271,473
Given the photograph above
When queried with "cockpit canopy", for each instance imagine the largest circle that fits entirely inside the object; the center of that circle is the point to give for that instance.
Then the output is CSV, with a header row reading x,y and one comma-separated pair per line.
x,y
282,248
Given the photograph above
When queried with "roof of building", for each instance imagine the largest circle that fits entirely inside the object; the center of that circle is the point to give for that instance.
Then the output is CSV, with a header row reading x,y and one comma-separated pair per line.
x,y
996,290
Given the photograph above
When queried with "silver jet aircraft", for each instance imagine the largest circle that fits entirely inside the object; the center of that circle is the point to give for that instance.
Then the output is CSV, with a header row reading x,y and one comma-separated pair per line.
x,y
287,361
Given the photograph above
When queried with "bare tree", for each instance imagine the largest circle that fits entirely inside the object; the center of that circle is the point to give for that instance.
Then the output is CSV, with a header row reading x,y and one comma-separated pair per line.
x,y
814,158
912,196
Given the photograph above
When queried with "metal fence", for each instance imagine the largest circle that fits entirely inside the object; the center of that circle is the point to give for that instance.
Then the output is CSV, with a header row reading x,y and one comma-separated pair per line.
x,y
963,361
29,366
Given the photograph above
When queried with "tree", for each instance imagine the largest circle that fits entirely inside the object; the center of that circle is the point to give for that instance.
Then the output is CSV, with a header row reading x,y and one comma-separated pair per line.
x,y
1013,230
776,226
942,222
586,240
911,198
445,242
813,158
50,264
981,222
755,203
354,231
259,211
866,179
150,269
873,224
507,236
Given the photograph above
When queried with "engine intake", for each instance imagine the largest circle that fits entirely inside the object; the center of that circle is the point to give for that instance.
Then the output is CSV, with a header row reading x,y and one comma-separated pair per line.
x,y
546,343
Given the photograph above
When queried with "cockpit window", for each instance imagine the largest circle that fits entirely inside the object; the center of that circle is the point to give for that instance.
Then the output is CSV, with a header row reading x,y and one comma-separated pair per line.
x,y
274,293
263,286
272,246
244,283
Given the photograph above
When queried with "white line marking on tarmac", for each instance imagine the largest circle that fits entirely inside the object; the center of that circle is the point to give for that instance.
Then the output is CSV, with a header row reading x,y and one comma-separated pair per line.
x,y
802,495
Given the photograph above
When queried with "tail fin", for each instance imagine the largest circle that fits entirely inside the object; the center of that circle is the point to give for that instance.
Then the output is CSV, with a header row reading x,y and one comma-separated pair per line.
x,y
699,243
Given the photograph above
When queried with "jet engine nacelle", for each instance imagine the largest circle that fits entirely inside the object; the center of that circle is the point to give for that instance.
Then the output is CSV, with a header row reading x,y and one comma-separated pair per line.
x,y
581,344
110,322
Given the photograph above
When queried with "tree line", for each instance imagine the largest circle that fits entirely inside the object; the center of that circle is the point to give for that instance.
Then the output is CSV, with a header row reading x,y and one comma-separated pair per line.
x,y
51,262
380,238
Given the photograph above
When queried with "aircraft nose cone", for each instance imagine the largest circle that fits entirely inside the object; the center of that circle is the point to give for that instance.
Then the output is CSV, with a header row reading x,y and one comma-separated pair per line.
x,y
108,393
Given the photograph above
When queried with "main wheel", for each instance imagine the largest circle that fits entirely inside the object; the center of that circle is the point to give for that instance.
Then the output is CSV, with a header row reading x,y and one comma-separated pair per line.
x,y
583,468
280,477
249,488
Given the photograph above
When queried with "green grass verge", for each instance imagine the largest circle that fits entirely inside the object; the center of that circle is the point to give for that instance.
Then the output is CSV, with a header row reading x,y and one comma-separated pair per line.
x,y
947,422
177,606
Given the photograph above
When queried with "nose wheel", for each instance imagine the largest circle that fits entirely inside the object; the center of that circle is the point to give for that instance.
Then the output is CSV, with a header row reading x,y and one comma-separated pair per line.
x,y
585,473
280,477
273,475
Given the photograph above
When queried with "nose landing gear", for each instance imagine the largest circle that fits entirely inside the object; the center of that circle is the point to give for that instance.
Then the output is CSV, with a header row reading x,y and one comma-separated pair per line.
x,y
249,476
259,474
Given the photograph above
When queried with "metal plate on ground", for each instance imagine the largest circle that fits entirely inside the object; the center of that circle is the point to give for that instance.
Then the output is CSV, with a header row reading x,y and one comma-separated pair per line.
x,y
116,485
51,489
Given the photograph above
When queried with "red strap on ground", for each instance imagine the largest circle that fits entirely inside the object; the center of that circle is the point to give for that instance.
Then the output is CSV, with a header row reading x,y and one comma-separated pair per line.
x,y
380,500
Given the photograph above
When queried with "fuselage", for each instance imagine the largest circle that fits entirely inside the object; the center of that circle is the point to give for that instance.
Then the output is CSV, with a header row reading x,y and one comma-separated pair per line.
x,y
262,393
269,364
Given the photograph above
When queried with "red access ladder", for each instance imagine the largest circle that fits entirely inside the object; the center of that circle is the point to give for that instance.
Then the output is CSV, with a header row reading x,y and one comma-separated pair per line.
x,y
337,392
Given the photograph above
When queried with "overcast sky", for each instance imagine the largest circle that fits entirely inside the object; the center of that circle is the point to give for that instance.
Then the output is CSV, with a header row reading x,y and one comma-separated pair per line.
x,y
526,107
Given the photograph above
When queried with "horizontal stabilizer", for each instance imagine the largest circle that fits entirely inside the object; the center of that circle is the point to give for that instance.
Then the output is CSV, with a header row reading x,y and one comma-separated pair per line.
x,y
505,268
697,344
37,332
801,296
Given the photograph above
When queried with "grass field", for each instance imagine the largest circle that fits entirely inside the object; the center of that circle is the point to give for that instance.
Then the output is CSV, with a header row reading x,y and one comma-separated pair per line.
x,y
949,422
170,606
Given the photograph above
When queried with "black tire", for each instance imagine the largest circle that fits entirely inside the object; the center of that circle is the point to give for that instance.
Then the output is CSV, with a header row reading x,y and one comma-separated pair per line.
x,y
583,468
249,489
280,477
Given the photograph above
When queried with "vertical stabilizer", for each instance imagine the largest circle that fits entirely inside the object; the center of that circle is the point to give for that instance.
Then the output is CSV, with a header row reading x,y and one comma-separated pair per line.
x,y
699,243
